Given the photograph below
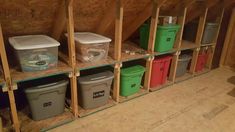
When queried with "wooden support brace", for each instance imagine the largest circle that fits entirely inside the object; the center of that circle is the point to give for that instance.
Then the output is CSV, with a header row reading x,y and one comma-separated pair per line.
x,y
174,64
201,26
72,56
194,60
116,88
9,84
148,72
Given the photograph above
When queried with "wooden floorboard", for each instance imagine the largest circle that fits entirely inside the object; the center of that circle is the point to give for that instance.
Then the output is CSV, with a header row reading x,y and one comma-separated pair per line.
x,y
138,94
168,83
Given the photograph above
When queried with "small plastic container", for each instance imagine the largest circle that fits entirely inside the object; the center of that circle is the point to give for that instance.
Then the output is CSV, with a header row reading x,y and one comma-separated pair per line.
x,y
209,33
35,52
91,47
131,80
160,71
94,90
47,100
183,65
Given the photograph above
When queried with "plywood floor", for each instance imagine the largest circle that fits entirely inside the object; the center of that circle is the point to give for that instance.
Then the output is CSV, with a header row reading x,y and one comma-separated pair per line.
x,y
203,104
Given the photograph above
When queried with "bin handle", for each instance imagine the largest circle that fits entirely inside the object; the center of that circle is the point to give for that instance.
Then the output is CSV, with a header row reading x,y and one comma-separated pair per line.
x,y
97,78
48,85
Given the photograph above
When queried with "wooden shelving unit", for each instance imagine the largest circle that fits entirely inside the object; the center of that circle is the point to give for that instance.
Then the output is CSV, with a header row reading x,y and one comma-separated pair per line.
x,y
125,25
29,125
18,76
86,112
168,83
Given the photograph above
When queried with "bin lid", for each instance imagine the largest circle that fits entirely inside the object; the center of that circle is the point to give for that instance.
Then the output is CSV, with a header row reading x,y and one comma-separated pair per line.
x,y
32,42
212,24
169,26
185,57
96,78
90,38
132,70
46,87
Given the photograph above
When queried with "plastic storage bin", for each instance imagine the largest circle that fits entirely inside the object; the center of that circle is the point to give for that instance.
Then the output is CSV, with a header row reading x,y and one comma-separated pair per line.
x,y
131,80
201,62
165,37
46,100
182,65
209,33
94,90
91,47
160,70
35,52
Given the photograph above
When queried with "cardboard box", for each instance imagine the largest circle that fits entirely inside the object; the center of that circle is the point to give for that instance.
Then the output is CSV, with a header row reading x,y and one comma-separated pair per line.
x,y
166,20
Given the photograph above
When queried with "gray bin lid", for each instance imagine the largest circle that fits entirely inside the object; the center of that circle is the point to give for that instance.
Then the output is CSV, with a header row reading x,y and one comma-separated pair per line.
x,y
96,78
211,24
46,87
185,57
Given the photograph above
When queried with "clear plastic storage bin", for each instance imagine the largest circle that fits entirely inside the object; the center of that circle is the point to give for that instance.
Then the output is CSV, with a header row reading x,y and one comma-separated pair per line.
x,y
35,52
91,47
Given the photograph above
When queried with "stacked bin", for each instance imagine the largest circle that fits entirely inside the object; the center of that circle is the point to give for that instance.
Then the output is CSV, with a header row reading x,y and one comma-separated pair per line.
x,y
209,33
160,70
131,78
202,60
165,37
94,90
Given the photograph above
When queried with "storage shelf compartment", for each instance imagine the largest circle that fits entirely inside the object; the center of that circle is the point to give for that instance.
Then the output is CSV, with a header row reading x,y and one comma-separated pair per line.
x,y
183,78
86,112
18,76
29,125
168,83
205,70
139,53
141,92
185,45
210,44
6,120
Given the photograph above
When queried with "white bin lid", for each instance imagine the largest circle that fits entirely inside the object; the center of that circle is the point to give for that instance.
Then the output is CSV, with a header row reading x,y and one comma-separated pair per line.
x,y
32,42
90,38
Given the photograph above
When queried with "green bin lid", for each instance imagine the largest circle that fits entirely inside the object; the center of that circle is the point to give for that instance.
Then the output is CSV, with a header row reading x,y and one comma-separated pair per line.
x,y
170,26
132,70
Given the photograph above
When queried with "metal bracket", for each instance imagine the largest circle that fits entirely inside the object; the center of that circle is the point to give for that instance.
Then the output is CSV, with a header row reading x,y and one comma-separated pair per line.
x,y
4,88
177,53
7,87
197,49
118,65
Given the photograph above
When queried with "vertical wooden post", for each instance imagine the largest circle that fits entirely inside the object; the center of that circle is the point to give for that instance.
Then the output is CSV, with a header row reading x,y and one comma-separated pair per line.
x,y
117,48
211,56
200,30
173,68
228,38
9,83
151,44
72,57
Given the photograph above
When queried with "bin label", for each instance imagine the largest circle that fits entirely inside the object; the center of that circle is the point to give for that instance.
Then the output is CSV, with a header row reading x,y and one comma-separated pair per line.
x,y
98,94
47,104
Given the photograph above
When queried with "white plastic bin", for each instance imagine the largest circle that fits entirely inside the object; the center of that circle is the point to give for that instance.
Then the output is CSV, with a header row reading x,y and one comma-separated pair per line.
x,y
91,47
35,52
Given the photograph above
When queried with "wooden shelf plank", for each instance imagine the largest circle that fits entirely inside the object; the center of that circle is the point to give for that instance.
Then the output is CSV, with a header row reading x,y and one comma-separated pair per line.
x,y
86,112
183,78
185,45
139,53
205,70
210,44
29,125
168,83
167,52
141,92
18,76
89,65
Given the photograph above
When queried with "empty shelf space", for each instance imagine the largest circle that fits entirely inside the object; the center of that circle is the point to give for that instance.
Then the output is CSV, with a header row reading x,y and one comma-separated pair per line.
x,y
141,92
131,51
187,45
27,124
210,44
89,65
168,83
6,120
186,76
205,70
85,112
19,76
